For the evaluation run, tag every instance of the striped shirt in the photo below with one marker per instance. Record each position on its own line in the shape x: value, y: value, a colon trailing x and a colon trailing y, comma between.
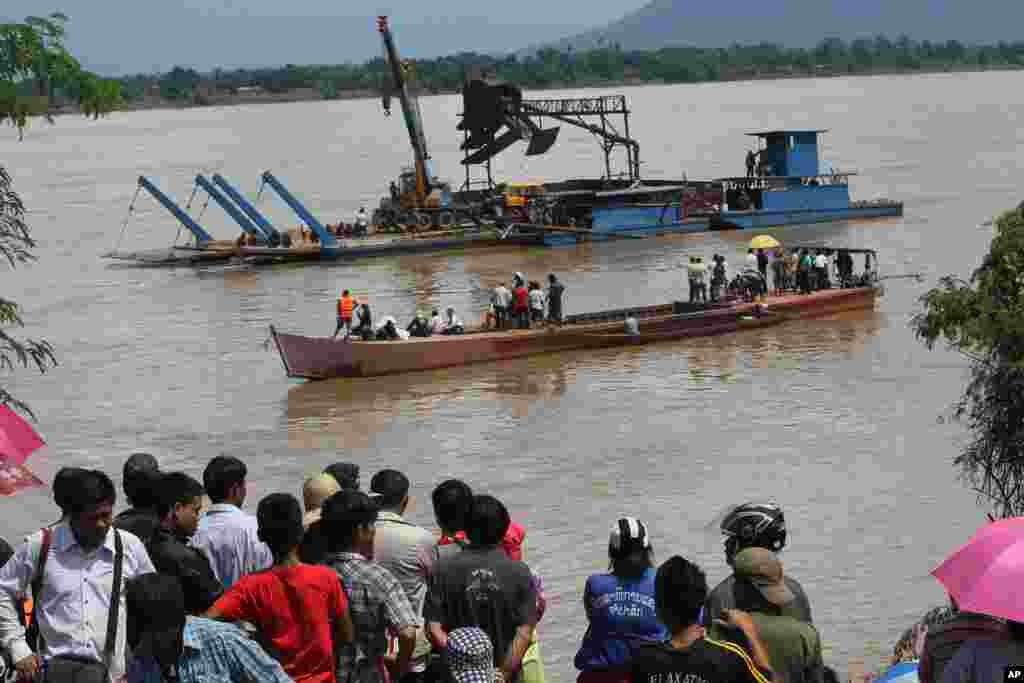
x: 213, y: 653
x: 227, y: 536
x: 377, y: 604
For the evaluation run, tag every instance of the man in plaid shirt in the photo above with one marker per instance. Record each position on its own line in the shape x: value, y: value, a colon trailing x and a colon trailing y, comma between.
x: 376, y: 600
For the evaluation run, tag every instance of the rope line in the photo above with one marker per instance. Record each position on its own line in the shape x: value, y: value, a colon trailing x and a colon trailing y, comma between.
x: 124, y: 225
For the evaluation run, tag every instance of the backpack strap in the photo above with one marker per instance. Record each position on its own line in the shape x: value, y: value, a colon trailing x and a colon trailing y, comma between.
x: 115, y: 601
x: 32, y: 630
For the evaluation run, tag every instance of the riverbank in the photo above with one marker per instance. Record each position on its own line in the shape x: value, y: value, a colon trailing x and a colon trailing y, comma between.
x: 210, y: 96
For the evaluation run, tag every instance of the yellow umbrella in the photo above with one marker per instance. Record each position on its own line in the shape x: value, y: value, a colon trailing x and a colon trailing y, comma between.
x: 764, y: 242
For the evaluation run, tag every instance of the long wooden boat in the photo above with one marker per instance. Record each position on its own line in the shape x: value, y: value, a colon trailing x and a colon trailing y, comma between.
x: 324, y: 357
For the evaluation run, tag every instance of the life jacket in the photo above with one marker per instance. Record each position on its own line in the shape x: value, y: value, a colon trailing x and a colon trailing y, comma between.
x: 345, y: 304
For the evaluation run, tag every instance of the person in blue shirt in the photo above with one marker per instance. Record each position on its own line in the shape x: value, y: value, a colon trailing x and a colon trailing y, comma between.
x: 620, y: 607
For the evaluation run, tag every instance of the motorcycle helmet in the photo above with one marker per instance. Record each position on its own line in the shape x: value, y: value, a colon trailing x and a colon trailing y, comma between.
x: 760, y: 525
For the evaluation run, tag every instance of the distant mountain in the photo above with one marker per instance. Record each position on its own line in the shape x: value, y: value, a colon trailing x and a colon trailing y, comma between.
x: 804, y: 23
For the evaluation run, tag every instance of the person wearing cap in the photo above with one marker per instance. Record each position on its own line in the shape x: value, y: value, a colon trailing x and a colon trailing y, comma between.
x: 404, y: 549
x: 138, y: 481
x: 680, y: 590
x: 470, y: 656
x: 377, y: 601
x: 315, y: 491
x: 619, y: 606
x: 481, y: 586
x: 794, y: 646
x: 755, y: 525
x: 300, y: 609
x: 167, y: 645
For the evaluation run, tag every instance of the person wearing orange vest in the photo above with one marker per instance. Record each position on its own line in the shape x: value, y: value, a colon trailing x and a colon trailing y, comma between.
x: 345, y: 305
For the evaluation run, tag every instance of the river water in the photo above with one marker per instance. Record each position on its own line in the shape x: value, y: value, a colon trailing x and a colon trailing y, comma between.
x: 837, y: 420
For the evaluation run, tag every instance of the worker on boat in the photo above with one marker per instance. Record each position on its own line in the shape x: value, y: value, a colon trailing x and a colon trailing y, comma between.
x: 393, y: 189
x: 521, y: 303
x: 719, y: 277
x: 452, y: 324
x: 388, y: 330
x: 420, y: 326
x: 501, y: 298
x: 537, y: 302
x: 362, y: 222
x: 436, y: 322
x: 697, y: 274
x: 364, y: 328
x: 751, y: 162
x: 555, y: 292
x: 345, y: 305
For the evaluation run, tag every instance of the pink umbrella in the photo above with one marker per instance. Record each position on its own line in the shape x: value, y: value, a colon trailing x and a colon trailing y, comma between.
x: 17, y: 438
x: 986, y: 574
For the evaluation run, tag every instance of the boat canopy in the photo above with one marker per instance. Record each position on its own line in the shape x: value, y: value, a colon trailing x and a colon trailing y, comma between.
x: 769, y: 133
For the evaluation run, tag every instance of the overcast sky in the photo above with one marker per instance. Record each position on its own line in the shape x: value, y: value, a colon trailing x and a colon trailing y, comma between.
x: 115, y: 37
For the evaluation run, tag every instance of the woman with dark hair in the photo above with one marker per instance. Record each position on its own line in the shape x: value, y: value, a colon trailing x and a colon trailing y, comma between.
x: 620, y: 606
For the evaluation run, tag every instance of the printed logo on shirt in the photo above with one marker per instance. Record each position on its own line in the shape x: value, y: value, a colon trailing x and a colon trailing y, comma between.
x: 675, y: 677
x: 482, y: 585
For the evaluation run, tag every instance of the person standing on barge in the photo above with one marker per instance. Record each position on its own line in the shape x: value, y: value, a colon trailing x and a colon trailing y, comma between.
x: 555, y: 292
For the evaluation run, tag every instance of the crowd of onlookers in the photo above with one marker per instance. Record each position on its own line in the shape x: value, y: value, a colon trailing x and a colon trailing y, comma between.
x: 343, y: 587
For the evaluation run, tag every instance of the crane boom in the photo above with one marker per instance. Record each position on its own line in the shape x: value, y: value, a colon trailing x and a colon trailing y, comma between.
x: 410, y: 109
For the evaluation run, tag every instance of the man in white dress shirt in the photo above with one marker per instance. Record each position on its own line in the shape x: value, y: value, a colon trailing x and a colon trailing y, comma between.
x: 73, y: 604
x: 226, y: 535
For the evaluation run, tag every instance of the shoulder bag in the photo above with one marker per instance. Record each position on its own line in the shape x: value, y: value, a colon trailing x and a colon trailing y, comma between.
x: 74, y: 669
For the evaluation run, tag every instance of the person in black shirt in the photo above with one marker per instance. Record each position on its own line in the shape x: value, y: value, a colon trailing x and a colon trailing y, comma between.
x: 480, y: 586
x: 179, y: 506
x: 140, y: 474
x: 679, y: 593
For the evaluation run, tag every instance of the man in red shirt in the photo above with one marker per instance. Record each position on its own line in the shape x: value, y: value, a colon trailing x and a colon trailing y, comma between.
x: 300, y: 609
x: 521, y: 304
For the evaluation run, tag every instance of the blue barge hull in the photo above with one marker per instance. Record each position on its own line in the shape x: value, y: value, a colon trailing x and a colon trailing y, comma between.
x: 743, y: 220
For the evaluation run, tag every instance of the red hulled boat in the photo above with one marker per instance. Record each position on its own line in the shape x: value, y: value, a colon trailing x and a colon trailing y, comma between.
x: 324, y: 357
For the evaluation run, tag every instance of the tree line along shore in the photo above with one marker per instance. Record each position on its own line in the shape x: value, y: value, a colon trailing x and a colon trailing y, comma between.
x: 550, y: 68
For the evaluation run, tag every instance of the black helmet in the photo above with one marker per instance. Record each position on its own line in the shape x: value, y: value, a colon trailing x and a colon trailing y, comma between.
x: 760, y: 525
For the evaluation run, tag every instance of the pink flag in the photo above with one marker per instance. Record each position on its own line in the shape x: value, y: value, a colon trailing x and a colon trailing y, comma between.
x: 17, y: 438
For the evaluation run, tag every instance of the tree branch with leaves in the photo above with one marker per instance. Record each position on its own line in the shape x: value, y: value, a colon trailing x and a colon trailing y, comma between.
x: 16, y: 244
x: 983, y: 319
x: 35, y: 65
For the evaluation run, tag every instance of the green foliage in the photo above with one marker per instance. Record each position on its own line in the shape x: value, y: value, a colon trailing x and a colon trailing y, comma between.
x: 609, y: 62
x: 16, y: 244
x: 35, y: 68
x: 984, y: 319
